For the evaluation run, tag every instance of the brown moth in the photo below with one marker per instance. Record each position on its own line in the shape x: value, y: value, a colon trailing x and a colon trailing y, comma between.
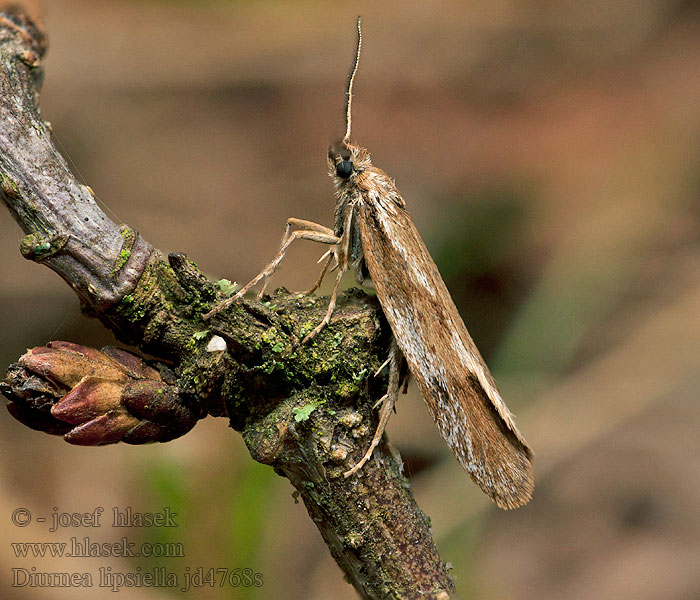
x: 375, y: 235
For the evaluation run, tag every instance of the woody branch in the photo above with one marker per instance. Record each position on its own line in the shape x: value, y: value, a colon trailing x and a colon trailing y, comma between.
x: 304, y: 410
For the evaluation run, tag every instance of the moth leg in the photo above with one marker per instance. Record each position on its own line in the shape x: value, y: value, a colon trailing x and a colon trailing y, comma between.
x: 328, y: 258
x: 285, y: 237
x: 301, y: 224
x: 405, y: 384
x: 384, y: 364
x: 387, y: 404
x: 303, y: 234
x: 318, y: 234
x: 331, y: 303
x: 342, y: 261
x: 307, y: 225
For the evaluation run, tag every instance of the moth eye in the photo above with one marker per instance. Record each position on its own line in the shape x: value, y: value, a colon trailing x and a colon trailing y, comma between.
x: 344, y: 169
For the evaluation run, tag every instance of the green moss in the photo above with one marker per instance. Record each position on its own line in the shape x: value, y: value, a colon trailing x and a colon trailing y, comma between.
x: 128, y: 235
x: 131, y: 309
x: 156, y: 288
x: 359, y: 376
x: 273, y: 365
x: 123, y: 257
x: 227, y: 287
x: 37, y: 247
x: 9, y: 187
x: 354, y: 540
x: 302, y: 413
x: 347, y: 390
x: 270, y: 335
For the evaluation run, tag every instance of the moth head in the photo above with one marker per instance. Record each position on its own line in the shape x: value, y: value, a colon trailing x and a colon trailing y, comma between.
x: 345, y: 161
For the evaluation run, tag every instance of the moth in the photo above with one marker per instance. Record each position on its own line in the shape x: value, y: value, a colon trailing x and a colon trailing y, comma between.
x: 374, y: 234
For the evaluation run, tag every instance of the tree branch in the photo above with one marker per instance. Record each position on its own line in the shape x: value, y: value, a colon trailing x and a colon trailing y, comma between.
x: 305, y: 410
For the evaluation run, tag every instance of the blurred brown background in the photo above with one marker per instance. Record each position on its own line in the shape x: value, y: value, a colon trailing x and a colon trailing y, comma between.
x: 549, y: 154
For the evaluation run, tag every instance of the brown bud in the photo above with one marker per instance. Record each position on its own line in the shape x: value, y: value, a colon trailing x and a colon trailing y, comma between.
x: 92, y: 397
x: 96, y: 397
x: 66, y: 364
x: 135, y: 365
x: 105, y: 429
x: 31, y: 399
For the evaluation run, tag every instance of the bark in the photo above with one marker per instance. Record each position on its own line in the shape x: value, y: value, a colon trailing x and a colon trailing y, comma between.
x: 305, y: 410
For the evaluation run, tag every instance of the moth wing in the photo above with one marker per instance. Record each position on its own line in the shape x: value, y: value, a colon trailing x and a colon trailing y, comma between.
x: 452, y: 377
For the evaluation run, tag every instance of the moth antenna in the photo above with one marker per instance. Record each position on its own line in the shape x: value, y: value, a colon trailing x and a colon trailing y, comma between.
x: 351, y: 79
